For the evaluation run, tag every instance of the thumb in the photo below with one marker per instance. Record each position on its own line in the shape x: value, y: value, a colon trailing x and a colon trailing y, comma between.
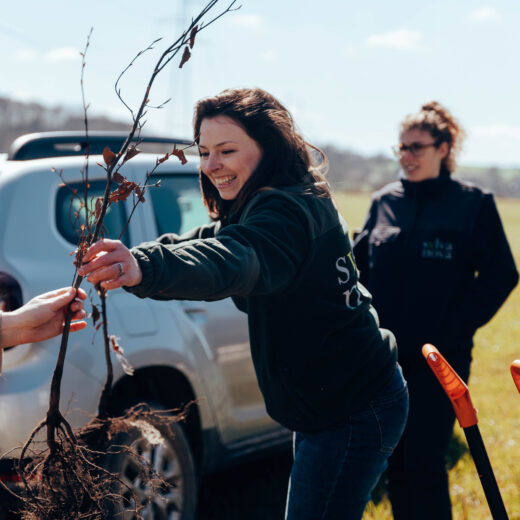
x: 60, y: 300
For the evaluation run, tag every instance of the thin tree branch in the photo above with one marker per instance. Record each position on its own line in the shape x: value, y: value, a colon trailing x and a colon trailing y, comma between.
x: 54, y: 418
x: 85, y: 122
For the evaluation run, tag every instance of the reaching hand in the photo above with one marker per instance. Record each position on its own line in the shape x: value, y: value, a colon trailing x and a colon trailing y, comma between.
x: 43, y: 317
x: 111, y: 264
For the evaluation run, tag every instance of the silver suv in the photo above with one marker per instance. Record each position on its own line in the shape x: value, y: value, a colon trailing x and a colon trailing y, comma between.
x: 180, y: 351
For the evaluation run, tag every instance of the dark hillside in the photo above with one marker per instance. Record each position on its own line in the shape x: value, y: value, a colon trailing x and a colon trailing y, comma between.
x: 351, y: 171
x: 348, y: 170
x: 17, y: 118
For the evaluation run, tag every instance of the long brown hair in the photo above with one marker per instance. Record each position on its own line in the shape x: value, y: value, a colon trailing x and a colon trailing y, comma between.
x: 286, y: 160
x: 442, y: 126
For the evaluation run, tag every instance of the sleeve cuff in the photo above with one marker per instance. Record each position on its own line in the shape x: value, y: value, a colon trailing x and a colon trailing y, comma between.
x: 142, y: 290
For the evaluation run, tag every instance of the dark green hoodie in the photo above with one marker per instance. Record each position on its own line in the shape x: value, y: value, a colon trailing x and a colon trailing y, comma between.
x: 287, y: 262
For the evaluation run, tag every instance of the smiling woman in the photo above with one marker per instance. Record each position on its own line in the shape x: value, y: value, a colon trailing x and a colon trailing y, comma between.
x: 279, y: 248
x: 228, y: 155
x: 430, y: 141
x: 419, y: 157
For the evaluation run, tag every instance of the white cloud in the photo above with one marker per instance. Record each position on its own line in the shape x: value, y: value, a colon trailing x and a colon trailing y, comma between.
x: 402, y: 39
x: 247, y: 21
x: 62, y: 54
x: 26, y: 54
x: 484, y: 14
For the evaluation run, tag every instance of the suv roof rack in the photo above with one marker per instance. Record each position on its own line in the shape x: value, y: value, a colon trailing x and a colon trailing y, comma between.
x: 70, y: 143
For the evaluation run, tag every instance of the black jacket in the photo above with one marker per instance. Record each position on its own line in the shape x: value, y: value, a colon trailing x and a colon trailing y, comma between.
x: 436, y: 260
x: 286, y: 260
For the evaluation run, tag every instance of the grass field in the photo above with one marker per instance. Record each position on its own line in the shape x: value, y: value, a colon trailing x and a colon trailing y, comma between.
x: 492, y: 390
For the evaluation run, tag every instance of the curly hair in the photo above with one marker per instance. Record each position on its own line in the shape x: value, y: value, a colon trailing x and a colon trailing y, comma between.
x: 287, y: 159
x: 442, y: 126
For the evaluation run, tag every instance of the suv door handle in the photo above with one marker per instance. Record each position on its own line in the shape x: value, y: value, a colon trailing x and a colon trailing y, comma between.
x: 191, y: 311
x: 194, y: 309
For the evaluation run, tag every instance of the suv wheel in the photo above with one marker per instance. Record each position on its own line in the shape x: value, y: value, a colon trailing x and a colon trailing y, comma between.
x: 171, y: 459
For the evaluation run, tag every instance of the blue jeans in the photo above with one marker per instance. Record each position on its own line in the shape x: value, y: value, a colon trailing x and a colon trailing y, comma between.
x: 336, y: 469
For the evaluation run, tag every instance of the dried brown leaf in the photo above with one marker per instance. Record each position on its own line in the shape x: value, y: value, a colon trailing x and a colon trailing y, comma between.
x: 192, y: 36
x: 108, y: 156
x: 99, y: 206
x: 163, y: 158
x: 180, y: 155
x: 95, y: 313
x: 123, y: 192
x: 118, y: 178
x: 125, y: 365
x: 185, y: 56
x: 131, y: 152
x: 140, y: 194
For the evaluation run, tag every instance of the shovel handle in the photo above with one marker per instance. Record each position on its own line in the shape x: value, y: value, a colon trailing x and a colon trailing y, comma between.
x: 453, y: 385
x: 515, y: 372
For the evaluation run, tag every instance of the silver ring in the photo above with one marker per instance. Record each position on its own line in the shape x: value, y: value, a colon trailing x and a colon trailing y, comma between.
x: 120, y: 267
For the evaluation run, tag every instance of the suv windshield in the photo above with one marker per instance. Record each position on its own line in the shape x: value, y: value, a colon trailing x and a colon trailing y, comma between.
x: 178, y: 205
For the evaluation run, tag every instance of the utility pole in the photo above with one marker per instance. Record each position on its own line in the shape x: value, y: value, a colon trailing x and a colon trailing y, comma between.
x: 178, y: 112
x: 179, y: 109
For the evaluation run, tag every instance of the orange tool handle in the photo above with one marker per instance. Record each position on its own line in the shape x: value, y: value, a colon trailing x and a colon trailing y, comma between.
x: 515, y: 372
x: 453, y: 385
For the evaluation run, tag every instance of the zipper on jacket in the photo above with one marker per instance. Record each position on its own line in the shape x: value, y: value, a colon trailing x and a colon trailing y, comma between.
x: 409, y: 256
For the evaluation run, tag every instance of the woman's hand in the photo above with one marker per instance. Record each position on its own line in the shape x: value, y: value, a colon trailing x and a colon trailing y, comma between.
x: 111, y: 264
x: 43, y: 317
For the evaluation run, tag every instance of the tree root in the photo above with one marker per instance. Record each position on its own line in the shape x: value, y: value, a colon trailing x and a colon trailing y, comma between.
x: 69, y: 480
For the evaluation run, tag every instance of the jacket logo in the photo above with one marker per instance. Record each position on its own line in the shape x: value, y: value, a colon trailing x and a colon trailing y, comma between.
x: 347, y: 269
x: 437, y: 249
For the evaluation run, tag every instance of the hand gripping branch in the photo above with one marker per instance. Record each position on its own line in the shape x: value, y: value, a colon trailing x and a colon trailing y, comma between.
x: 515, y: 372
x: 458, y: 394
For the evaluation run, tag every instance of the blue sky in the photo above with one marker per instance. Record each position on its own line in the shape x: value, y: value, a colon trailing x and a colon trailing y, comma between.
x: 349, y: 71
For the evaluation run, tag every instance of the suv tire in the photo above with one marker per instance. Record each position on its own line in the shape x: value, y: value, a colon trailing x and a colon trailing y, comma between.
x: 172, y: 460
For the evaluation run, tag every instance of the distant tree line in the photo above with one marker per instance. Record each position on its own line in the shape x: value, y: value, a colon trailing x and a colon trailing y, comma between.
x: 18, y: 118
x: 347, y: 171
x: 354, y: 172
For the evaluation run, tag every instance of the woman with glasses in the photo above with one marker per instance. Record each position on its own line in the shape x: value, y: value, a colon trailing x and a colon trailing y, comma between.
x: 434, y: 255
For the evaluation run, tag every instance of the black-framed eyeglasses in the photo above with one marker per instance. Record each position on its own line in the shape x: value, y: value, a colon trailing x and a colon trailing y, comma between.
x: 416, y: 149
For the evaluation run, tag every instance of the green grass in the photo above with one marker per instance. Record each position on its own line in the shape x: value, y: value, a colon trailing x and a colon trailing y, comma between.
x: 492, y: 390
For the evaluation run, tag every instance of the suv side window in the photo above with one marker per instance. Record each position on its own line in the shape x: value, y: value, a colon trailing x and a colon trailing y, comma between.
x: 177, y: 204
x: 70, y: 216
